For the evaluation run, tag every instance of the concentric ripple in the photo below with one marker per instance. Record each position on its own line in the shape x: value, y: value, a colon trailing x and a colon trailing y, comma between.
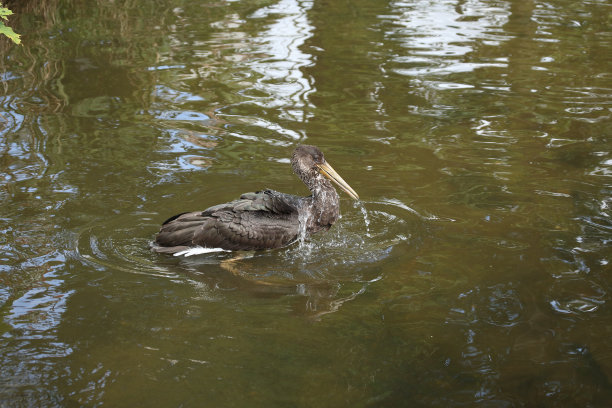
x: 324, y: 270
x: 365, y: 235
x: 121, y: 244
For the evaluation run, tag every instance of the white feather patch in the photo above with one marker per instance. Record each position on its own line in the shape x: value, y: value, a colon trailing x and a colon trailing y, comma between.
x: 198, y: 251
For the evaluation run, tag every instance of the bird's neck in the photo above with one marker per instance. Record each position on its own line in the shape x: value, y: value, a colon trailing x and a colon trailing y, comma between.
x: 322, y: 208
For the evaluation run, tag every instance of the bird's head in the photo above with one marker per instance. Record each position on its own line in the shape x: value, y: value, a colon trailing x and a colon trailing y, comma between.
x: 308, y: 163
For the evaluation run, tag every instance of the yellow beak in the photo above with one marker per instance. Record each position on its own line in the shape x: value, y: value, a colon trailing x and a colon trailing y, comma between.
x: 331, y: 174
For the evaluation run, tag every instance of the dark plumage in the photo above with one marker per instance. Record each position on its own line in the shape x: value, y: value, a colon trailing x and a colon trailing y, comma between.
x: 264, y: 219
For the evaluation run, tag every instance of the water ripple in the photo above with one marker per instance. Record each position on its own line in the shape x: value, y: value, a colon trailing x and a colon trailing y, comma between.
x: 120, y: 245
x: 437, y: 35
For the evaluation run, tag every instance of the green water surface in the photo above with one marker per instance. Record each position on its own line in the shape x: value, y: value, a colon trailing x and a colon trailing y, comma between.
x: 474, y: 272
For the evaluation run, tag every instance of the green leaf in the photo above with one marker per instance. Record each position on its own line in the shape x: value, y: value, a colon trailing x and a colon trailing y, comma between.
x: 5, y: 12
x: 8, y: 31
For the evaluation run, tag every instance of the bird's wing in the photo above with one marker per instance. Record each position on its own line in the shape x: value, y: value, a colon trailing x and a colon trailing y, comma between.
x: 260, y: 220
x: 247, y: 230
x: 178, y: 231
x: 267, y: 200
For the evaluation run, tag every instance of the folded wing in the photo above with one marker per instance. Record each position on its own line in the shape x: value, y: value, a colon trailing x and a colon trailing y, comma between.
x: 261, y: 220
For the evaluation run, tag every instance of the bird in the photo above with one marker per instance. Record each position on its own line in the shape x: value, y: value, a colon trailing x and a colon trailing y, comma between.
x: 261, y: 220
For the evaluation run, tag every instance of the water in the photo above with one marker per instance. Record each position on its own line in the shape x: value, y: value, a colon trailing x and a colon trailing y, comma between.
x: 366, y: 219
x: 474, y: 272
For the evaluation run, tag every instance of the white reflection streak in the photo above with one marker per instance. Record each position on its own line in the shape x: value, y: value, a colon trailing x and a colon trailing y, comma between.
x: 439, y: 33
x: 31, y: 343
x: 281, y: 74
x: 38, y: 312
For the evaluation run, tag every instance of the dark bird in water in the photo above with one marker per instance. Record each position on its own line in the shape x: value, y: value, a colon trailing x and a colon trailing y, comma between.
x: 261, y: 220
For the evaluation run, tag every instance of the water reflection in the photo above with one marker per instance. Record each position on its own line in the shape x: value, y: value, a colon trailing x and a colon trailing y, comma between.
x: 438, y: 38
x: 265, y: 72
x: 320, y: 274
x: 30, y: 321
x: 280, y: 72
x: 476, y: 271
x: 302, y: 294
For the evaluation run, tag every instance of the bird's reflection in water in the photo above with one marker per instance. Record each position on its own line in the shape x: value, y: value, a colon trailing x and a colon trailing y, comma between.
x: 309, y: 297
